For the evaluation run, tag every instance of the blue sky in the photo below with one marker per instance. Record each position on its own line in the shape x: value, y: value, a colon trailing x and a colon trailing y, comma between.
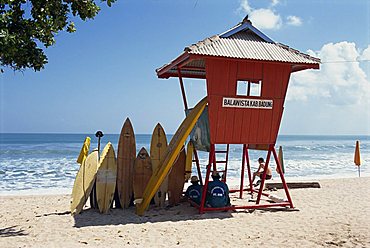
x: 105, y: 71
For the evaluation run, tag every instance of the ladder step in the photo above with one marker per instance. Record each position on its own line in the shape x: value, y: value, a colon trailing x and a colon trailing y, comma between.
x: 221, y: 162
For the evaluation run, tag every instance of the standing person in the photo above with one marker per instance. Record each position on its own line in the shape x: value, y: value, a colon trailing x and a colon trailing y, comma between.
x: 260, y: 170
x: 194, y: 191
x: 217, y: 192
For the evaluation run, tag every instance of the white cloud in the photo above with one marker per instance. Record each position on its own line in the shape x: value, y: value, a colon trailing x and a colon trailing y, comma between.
x: 334, y: 99
x: 274, y: 2
x: 365, y: 54
x: 338, y: 82
x: 264, y: 18
x: 244, y: 5
x: 294, y: 20
x: 267, y: 18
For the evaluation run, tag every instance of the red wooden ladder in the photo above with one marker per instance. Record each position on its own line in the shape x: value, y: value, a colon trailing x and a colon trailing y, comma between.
x: 224, y: 162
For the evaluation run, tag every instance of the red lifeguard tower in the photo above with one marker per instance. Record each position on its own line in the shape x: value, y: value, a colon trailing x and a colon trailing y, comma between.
x: 247, y: 76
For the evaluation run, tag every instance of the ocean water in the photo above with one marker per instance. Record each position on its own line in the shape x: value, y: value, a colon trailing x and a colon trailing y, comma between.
x: 46, y: 163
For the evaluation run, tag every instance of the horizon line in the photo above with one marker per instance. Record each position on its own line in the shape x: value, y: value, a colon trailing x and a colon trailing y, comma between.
x: 61, y: 133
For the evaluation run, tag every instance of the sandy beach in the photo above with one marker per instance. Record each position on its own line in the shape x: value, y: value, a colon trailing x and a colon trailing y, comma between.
x: 336, y: 215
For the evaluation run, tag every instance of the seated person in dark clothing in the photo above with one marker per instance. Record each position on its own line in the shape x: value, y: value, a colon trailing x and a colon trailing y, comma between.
x: 260, y: 170
x: 217, y: 192
x: 194, y: 191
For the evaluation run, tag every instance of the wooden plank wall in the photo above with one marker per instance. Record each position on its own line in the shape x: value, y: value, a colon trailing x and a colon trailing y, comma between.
x: 245, y: 126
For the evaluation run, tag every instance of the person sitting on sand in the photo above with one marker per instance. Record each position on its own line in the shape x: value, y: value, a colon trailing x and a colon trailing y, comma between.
x: 194, y: 191
x: 217, y: 192
x: 260, y: 170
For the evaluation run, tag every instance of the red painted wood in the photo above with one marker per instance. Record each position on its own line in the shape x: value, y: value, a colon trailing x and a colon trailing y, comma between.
x: 241, y: 125
x: 285, y: 79
x: 231, y: 77
x: 238, y: 126
x: 229, y: 115
x: 276, y: 118
x: 213, y: 117
x: 249, y: 70
x: 246, y: 126
x: 285, y: 186
x: 269, y: 87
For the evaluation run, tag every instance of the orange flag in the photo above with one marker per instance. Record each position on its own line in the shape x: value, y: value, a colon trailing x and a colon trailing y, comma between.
x: 357, y: 159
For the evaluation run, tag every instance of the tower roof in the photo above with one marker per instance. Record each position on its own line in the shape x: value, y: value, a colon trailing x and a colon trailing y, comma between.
x: 242, y: 42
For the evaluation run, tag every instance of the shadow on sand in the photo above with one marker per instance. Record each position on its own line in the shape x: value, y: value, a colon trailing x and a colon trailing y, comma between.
x: 11, y: 232
x: 182, y: 212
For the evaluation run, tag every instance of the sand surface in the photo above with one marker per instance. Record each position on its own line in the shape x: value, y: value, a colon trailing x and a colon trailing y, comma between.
x: 336, y: 215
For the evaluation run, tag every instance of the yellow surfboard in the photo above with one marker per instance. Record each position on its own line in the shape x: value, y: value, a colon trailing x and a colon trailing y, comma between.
x: 171, y: 154
x: 106, y: 178
x: 84, y: 182
x: 158, y: 146
x: 84, y: 151
x: 189, y: 160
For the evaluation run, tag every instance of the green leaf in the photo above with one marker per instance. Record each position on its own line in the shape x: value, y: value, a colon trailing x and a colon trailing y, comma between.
x: 71, y: 27
x: 26, y: 27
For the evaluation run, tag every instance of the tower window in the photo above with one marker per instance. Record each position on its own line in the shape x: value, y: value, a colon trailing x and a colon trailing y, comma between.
x: 249, y: 88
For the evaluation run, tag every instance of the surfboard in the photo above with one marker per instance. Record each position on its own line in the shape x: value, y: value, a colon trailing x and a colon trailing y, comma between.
x: 125, y: 163
x: 158, y: 146
x: 189, y: 160
x: 176, y: 179
x: 106, y: 178
x: 142, y: 172
x: 84, y: 182
x: 281, y: 160
x: 171, y: 153
x: 84, y: 150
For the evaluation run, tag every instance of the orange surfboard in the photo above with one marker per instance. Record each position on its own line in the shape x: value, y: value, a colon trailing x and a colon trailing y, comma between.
x: 142, y: 172
x: 176, y: 179
x: 125, y: 163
